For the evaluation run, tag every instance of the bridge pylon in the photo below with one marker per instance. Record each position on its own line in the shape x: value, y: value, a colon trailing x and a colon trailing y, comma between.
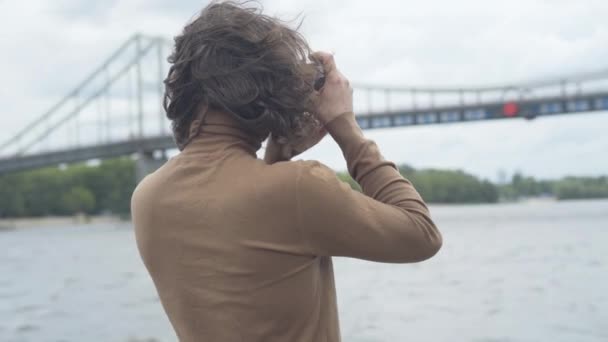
x: 147, y: 162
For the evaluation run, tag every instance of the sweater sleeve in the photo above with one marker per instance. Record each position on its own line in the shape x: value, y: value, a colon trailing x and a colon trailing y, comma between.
x: 388, y: 222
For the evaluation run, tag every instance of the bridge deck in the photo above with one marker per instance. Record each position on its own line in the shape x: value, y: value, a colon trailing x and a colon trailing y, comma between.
x: 448, y: 114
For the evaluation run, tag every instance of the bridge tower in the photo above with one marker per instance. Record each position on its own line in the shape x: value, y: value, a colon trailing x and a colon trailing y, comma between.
x: 147, y: 162
x: 115, y: 111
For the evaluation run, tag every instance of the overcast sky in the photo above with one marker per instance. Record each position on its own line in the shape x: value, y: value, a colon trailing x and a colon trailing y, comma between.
x: 50, y: 46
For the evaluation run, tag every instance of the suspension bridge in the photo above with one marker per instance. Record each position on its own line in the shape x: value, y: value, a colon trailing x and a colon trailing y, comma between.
x: 117, y: 111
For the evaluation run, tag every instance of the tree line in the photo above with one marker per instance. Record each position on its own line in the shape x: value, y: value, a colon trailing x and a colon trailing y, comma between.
x: 107, y: 188
x: 456, y: 186
x: 444, y: 186
x: 562, y: 189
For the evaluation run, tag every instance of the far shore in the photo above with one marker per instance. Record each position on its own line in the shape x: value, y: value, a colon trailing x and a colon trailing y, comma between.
x: 56, y: 221
x: 63, y: 221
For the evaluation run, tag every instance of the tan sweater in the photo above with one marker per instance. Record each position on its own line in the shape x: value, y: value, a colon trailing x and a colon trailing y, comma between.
x: 240, y: 250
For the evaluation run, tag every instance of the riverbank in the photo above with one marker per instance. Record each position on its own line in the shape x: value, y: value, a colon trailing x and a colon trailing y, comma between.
x: 62, y: 221
x: 56, y: 221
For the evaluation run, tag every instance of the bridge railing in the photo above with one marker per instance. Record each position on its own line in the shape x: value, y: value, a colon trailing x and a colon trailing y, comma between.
x: 112, y: 103
x: 378, y: 99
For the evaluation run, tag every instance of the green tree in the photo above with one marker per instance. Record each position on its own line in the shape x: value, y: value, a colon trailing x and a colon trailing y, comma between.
x: 582, y: 187
x: 345, y: 177
x: 119, y: 176
x: 12, y: 202
x: 444, y: 186
x: 65, y: 191
x: 78, y: 200
x: 450, y: 186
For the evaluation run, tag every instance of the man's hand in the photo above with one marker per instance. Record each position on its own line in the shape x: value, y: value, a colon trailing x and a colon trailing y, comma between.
x: 336, y: 95
x: 285, y: 148
x: 332, y: 100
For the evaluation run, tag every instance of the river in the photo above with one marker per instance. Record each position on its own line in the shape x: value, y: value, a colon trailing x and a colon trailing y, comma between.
x: 534, y: 271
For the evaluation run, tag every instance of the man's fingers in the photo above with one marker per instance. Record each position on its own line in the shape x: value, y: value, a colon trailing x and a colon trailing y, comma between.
x: 326, y: 59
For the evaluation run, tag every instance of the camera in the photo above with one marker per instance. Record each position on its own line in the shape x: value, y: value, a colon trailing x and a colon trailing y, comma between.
x: 319, y: 81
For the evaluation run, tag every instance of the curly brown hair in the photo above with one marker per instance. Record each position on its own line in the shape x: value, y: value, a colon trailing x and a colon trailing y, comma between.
x: 235, y: 59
